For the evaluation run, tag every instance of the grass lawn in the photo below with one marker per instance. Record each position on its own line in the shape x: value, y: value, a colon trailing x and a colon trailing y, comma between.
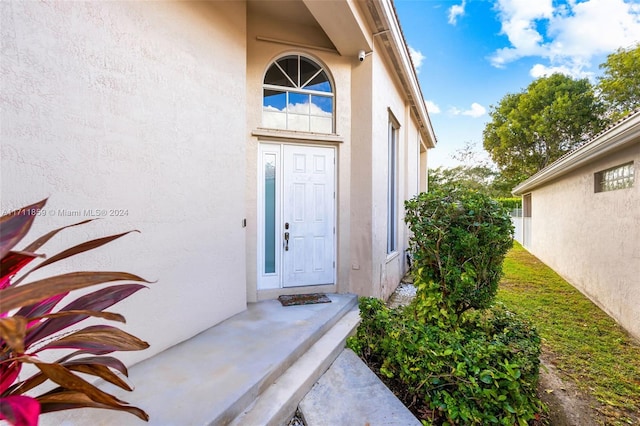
x: 586, y: 345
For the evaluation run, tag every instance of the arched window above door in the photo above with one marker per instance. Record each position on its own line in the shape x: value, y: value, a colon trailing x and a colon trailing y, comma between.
x: 298, y: 95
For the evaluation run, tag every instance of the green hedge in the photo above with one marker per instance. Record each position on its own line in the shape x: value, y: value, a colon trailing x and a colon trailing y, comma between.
x: 484, y: 372
x: 510, y: 203
x: 459, y: 240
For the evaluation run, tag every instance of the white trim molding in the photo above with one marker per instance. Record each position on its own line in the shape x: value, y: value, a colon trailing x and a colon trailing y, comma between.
x: 264, y: 134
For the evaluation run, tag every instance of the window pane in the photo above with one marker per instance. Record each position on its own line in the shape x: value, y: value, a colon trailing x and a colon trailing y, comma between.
x: 289, y: 65
x: 274, y: 99
x: 392, y: 192
x: 321, y: 124
x: 269, y: 213
x: 275, y: 77
x: 298, y: 122
x: 298, y: 103
x: 298, y: 112
x: 322, y: 106
x: 273, y: 109
x: 319, y: 83
x: 616, y: 178
x: 307, y: 70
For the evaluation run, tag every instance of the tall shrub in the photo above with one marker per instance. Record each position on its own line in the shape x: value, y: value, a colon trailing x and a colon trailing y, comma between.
x: 452, y: 369
x: 460, y: 238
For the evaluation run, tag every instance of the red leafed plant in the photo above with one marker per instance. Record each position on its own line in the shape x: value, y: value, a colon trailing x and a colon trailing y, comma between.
x: 30, y: 323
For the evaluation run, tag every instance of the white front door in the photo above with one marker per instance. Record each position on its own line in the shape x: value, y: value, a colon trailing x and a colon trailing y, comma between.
x: 297, y: 204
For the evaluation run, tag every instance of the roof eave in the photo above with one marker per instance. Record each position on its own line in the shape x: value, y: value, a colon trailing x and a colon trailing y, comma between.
x: 624, y: 132
x: 389, y: 30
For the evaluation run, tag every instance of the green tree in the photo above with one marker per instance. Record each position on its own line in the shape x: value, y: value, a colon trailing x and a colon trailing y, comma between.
x: 531, y: 129
x: 619, y: 86
x: 476, y: 177
x: 474, y: 172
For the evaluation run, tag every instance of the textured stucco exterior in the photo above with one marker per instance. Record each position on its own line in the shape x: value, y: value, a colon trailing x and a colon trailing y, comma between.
x: 125, y: 105
x: 155, y: 109
x: 592, y: 239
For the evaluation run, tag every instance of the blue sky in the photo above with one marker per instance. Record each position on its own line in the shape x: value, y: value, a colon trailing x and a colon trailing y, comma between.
x: 470, y: 53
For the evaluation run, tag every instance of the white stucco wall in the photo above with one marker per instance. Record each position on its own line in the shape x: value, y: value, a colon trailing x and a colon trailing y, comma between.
x: 138, y: 106
x: 361, y: 275
x: 386, y: 97
x: 593, y: 239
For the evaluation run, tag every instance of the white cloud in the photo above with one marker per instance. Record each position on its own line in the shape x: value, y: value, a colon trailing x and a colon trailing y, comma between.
x: 567, y: 35
x: 432, y: 107
x: 417, y: 57
x: 455, y: 11
x: 475, y: 111
x: 540, y: 70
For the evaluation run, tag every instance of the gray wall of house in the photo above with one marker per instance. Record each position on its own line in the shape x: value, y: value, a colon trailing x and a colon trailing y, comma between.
x: 593, y: 239
x: 136, y: 106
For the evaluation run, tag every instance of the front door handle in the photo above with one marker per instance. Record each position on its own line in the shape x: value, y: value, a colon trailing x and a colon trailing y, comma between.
x: 286, y: 241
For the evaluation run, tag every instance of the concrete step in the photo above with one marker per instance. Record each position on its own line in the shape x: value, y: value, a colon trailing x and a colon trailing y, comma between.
x: 349, y: 393
x: 211, y: 378
x: 278, y: 403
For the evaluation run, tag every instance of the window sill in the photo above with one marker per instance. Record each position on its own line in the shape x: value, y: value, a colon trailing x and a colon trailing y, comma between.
x: 275, y: 134
x: 392, y: 256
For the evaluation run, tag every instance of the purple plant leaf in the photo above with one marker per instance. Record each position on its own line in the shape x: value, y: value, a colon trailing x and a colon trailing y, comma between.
x: 108, y: 361
x: 41, y: 308
x: 12, y: 263
x: 9, y: 372
x: 20, y: 410
x: 95, y: 301
x: 80, y: 248
x: 60, y: 399
x: 34, y: 292
x: 96, y: 365
x: 15, y: 225
x: 98, y: 338
x: 46, y: 237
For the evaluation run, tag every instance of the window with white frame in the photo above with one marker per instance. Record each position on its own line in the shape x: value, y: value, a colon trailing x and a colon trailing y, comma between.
x: 618, y: 177
x: 298, y: 95
x: 392, y: 188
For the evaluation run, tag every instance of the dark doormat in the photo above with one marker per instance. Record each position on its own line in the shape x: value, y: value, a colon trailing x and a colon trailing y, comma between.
x: 303, y: 299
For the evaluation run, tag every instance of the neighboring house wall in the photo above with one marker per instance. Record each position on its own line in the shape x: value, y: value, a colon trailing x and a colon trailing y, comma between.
x: 137, y: 106
x: 593, y: 239
x: 588, y: 228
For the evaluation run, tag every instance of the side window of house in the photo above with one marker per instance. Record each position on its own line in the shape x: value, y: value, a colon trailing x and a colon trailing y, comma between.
x: 298, y: 95
x: 526, y: 205
x: 618, y: 177
x: 392, y: 188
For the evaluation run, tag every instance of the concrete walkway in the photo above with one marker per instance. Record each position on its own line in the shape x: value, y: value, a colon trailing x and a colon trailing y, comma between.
x: 213, y: 377
x: 349, y: 393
